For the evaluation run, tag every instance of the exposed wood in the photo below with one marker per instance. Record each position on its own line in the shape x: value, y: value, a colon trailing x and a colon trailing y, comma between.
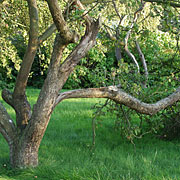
x: 49, y: 31
x: 24, y: 136
x: 86, y: 43
x: 121, y: 97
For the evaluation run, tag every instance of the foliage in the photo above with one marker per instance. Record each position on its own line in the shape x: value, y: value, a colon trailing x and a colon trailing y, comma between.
x: 163, y: 79
x: 92, y: 71
x: 13, y: 42
x: 97, y: 67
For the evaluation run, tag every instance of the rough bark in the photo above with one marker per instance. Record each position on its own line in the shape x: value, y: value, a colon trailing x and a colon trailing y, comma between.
x: 24, y: 150
x: 28, y: 59
x: 67, y: 35
x: 121, y: 97
x: 22, y: 154
x: 57, y: 76
x: 24, y: 138
x: 19, y: 100
x: 7, y: 126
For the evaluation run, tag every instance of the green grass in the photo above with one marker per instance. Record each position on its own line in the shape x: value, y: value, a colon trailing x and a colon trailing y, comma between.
x: 66, y: 153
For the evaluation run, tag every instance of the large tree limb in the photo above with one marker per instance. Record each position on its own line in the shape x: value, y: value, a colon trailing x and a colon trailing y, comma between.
x: 7, y: 126
x: 67, y: 35
x: 121, y: 97
x: 28, y: 59
x: 20, y: 103
x: 7, y: 97
x: 53, y: 28
x: 86, y: 43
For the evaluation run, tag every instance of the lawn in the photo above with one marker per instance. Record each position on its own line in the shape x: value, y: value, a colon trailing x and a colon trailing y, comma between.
x: 66, y: 151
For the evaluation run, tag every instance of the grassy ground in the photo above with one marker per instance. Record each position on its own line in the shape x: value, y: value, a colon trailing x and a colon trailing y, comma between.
x: 66, y: 154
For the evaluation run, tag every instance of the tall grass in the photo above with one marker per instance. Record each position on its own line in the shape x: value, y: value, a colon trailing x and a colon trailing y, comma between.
x: 66, y: 152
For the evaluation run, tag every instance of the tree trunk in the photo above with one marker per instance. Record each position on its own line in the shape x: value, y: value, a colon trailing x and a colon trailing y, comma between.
x: 25, y: 155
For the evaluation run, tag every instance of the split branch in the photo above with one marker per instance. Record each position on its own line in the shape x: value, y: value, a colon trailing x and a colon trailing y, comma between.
x: 121, y: 97
x: 57, y: 75
x: 53, y: 28
x: 86, y: 43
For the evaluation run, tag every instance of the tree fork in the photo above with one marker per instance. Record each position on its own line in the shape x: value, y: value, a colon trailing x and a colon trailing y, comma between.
x: 57, y: 76
x: 20, y: 105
